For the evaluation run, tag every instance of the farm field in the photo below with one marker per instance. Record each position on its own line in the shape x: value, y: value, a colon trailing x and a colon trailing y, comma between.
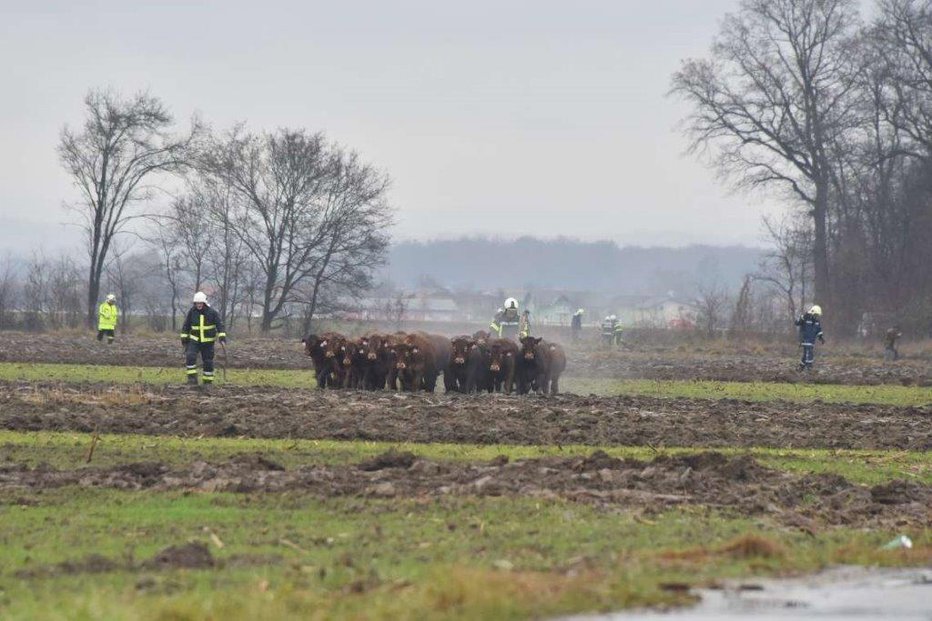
x: 126, y: 495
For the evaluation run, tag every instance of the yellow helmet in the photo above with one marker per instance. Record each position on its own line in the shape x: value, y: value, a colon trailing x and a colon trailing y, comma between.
x: 816, y: 310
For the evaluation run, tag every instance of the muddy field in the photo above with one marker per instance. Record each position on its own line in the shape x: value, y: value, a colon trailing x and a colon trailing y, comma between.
x: 264, y: 412
x: 711, y: 479
x: 742, y: 366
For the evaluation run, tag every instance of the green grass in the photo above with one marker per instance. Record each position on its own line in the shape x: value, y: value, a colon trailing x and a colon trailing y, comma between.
x: 68, y: 450
x: 295, y: 556
x: 700, y: 389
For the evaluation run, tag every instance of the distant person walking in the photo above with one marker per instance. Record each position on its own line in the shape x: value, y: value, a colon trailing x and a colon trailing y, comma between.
x: 810, y: 329
x: 576, y: 324
x: 890, y: 352
x: 202, y: 326
x: 107, y: 319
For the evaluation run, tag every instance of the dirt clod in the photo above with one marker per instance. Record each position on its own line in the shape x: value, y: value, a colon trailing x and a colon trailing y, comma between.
x: 389, y: 459
x: 193, y: 555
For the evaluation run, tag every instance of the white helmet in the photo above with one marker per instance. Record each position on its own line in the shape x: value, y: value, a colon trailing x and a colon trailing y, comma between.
x: 200, y: 296
x: 111, y: 297
x: 511, y: 303
x: 816, y: 310
x: 579, y: 311
x: 613, y: 318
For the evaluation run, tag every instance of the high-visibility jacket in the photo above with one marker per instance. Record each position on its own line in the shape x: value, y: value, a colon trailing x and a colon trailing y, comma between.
x: 107, y: 316
x: 202, y: 326
x: 505, y: 323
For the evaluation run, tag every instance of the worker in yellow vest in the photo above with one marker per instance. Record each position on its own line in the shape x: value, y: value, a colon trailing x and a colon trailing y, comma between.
x: 202, y: 326
x: 107, y: 319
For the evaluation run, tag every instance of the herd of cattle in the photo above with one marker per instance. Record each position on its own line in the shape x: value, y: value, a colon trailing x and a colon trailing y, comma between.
x: 413, y: 362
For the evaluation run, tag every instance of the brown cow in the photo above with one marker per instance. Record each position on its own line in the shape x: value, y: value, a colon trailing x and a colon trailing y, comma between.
x: 540, y: 365
x: 319, y: 349
x: 378, y: 359
x: 501, y: 355
x: 441, y: 345
x: 467, y: 369
x: 354, y: 362
x: 416, y: 363
x: 393, y: 377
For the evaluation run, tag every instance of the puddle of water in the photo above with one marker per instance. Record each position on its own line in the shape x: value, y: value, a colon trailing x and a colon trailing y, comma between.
x: 841, y: 593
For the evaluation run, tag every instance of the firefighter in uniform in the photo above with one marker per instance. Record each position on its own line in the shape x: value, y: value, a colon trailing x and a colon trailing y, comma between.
x: 507, y: 321
x: 107, y: 319
x: 810, y: 329
x: 202, y: 326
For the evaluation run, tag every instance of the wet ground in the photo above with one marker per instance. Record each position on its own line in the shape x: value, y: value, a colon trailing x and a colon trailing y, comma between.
x: 736, y: 484
x: 264, y: 412
x: 776, y: 364
x: 861, y: 594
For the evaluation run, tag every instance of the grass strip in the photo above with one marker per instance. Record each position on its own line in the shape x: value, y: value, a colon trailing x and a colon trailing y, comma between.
x: 281, y: 556
x: 884, y: 394
x: 68, y: 450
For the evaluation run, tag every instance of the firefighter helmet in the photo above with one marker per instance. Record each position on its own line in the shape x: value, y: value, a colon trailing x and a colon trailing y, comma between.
x: 111, y: 297
x: 511, y: 303
x: 816, y: 310
x: 200, y: 296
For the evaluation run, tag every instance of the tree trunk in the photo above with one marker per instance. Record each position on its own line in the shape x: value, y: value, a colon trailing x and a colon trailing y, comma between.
x: 821, y: 290
x: 93, y: 291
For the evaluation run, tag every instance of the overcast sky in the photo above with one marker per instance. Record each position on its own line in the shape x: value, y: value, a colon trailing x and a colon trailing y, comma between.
x: 511, y: 117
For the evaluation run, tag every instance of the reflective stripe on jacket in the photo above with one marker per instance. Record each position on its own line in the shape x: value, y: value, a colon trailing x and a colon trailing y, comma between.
x: 202, y: 326
x: 107, y: 316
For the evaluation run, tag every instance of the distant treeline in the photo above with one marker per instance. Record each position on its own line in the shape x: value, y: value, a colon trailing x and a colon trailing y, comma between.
x: 484, y: 263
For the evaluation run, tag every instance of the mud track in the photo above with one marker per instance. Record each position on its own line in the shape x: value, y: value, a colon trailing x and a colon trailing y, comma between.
x: 264, y: 412
x: 710, y: 479
x: 277, y: 353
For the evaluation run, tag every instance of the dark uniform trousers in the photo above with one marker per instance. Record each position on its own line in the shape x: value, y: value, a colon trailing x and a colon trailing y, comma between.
x: 206, y: 350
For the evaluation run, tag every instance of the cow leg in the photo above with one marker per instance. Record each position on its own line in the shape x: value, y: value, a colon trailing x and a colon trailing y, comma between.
x: 555, y: 385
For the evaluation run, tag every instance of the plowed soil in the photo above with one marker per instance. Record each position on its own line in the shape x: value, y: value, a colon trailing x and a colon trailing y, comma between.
x: 277, y: 353
x: 263, y: 412
x: 737, y: 484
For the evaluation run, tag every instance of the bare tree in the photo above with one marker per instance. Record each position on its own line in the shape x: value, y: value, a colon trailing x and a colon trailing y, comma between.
x: 8, y: 286
x: 772, y: 100
x: 305, y: 211
x: 712, y: 301
x: 787, y: 267
x: 35, y: 293
x: 903, y: 35
x: 396, y: 309
x: 124, y: 143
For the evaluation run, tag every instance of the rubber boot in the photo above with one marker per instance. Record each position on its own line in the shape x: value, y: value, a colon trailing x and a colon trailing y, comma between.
x: 192, y: 380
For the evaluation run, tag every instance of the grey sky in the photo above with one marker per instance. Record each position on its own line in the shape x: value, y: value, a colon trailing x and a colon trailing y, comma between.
x: 531, y: 117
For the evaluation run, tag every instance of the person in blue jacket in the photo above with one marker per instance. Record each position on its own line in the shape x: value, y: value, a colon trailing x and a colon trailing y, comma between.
x: 810, y: 329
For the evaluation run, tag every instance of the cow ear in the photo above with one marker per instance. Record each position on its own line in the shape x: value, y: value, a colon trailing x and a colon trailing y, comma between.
x: 538, y: 340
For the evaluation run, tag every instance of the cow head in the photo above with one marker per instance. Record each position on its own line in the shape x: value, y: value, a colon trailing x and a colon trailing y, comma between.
x: 499, y: 355
x: 529, y: 347
x: 332, y: 346
x: 460, y: 348
x: 375, y: 346
x: 481, y: 337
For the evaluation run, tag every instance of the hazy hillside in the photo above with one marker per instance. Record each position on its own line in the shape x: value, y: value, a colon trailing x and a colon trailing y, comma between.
x: 483, y: 263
